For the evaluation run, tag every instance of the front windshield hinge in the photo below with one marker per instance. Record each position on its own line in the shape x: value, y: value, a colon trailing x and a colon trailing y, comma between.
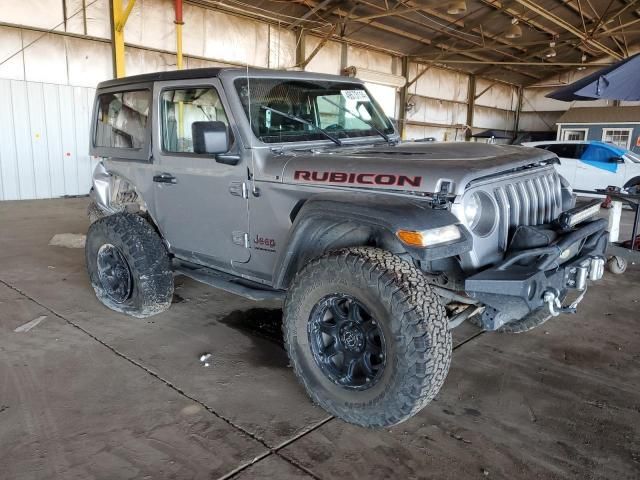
x: 277, y: 150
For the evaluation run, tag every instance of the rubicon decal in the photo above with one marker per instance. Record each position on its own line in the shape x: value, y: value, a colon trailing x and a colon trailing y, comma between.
x: 358, y: 178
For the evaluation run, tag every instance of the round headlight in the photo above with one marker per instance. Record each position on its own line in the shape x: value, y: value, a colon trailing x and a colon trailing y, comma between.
x: 480, y: 213
x: 472, y: 210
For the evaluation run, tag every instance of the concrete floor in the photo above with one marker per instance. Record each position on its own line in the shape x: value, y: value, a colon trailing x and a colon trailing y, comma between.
x: 88, y: 393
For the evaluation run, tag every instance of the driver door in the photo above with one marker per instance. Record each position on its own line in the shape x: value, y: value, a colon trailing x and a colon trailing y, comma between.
x: 200, y: 200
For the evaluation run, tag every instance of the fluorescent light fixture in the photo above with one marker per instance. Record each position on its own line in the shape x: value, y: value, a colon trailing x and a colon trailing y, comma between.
x: 457, y: 7
x: 430, y: 237
x: 372, y: 76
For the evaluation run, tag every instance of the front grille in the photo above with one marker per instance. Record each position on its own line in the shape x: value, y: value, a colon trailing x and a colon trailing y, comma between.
x: 530, y: 201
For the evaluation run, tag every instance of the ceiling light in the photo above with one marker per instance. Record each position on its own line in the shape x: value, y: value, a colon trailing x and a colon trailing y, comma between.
x: 514, y: 30
x: 551, y: 51
x: 583, y: 59
x: 457, y: 7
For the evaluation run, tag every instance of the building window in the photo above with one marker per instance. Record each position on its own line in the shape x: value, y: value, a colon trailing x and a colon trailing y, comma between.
x: 618, y: 136
x: 573, y: 134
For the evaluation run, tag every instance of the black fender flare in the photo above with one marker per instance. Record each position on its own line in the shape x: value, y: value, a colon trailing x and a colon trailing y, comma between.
x: 332, y: 221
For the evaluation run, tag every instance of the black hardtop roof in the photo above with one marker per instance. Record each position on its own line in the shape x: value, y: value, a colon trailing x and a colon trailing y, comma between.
x: 161, y: 76
x: 195, y: 73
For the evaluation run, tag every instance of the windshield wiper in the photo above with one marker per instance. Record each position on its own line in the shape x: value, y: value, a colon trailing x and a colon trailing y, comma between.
x: 304, y: 122
x: 346, y: 110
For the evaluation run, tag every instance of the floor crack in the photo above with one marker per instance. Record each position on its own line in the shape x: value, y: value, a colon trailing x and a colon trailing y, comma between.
x: 240, y: 468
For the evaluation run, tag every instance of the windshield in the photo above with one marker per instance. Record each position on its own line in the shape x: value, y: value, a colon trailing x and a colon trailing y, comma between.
x: 275, y: 107
x: 634, y: 157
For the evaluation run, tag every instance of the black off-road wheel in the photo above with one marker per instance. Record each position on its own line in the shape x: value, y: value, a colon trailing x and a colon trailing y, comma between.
x: 366, y: 336
x: 128, y: 265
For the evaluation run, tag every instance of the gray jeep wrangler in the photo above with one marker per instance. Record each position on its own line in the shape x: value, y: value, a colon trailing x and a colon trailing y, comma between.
x: 294, y: 186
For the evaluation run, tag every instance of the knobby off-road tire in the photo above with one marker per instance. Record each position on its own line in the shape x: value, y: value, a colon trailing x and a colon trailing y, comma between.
x: 128, y: 265
x: 530, y: 322
x: 408, y: 316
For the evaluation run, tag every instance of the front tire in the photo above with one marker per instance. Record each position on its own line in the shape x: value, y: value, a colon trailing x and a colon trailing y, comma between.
x: 366, y: 336
x: 128, y: 265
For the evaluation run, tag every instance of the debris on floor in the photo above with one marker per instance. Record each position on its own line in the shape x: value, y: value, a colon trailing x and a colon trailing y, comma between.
x: 68, y: 240
x: 205, y: 359
x: 29, y: 325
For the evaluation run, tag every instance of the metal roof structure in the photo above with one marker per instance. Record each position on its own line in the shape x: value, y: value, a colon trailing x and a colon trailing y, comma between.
x: 516, y: 41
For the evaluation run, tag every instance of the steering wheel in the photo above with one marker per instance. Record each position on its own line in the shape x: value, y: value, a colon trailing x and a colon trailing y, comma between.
x: 334, y: 126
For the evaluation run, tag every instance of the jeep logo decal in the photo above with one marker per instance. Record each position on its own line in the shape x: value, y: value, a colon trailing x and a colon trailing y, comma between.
x: 358, y: 178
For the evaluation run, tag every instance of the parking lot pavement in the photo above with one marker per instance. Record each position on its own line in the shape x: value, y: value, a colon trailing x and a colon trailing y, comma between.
x: 88, y: 393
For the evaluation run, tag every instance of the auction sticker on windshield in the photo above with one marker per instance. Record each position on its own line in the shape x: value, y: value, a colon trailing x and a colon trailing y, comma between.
x: 357, y: 95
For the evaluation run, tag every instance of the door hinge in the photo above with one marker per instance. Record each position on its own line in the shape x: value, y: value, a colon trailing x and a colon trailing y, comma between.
x: 240, y: 238
x: 239, y: 189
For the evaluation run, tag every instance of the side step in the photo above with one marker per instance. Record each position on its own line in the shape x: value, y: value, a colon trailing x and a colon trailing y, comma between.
x: 226, y: 282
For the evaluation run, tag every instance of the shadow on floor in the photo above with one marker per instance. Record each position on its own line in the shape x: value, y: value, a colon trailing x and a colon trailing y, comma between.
x: 260, y: 322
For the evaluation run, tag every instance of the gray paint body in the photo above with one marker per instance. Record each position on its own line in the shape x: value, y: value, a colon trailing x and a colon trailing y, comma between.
x: 201, y: 216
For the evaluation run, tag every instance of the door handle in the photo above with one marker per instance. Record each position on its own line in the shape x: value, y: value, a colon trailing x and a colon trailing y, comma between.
x: 165, y: 178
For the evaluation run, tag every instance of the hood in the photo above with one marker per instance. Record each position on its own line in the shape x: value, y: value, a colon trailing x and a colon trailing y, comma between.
x: 415, y: 167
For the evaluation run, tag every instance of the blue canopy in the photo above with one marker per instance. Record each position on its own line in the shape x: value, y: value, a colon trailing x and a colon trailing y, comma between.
x: 620, y: 81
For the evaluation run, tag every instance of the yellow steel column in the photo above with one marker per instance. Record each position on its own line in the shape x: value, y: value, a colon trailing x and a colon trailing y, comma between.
x: 179, y: 22
x: 179, y: 45
x: 119, y: 18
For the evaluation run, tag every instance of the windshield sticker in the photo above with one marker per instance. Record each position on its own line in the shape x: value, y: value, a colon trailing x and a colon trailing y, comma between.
x: 357, y: 95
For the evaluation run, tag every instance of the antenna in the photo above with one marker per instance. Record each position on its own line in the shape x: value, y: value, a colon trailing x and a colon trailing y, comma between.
x: 252, y: 173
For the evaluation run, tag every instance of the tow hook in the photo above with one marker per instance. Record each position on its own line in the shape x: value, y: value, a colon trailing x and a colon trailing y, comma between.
x: 551, y: 298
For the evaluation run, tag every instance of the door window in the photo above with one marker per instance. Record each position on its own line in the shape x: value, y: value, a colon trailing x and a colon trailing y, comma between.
x: 180, y: 108
x: 618, y: 136
x: 122, y: 119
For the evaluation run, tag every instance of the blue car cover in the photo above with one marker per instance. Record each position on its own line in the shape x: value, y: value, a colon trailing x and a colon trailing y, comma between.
x: 599, y: 155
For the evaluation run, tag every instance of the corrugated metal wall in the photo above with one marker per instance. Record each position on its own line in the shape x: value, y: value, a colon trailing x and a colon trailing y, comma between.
x: 44, y: 140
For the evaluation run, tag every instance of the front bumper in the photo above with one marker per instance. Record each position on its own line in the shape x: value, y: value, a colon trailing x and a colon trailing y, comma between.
x: 535, y: 278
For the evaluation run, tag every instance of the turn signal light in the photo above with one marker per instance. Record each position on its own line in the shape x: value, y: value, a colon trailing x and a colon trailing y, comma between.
x: 429, y: 238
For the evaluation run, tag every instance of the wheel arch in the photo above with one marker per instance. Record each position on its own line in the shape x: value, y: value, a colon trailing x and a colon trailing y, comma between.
x: 114, y: 192
x: 633, y: 181
x: 331, y: 222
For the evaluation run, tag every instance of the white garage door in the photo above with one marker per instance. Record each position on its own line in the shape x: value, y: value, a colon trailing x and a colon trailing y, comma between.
x: 44, y: 140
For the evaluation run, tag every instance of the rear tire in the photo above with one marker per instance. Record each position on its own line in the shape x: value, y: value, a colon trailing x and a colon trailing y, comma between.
x: 535, y: 319
x: 128, y: 265
x: 399, y: 333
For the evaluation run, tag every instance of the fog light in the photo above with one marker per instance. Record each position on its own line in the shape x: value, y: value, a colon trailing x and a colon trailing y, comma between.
x: 431, y: 237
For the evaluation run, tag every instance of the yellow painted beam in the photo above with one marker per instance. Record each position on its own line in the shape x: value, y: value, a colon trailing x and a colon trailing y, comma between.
x: 119, y: 17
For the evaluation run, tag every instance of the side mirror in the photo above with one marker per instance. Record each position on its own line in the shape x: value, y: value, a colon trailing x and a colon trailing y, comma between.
x: 616, y: 160
x: 210, y: 137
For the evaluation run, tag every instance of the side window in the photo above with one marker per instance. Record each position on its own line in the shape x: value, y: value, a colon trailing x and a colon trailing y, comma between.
x: 567, y: 150
x: 122, y: 119
x: 180, y: 108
